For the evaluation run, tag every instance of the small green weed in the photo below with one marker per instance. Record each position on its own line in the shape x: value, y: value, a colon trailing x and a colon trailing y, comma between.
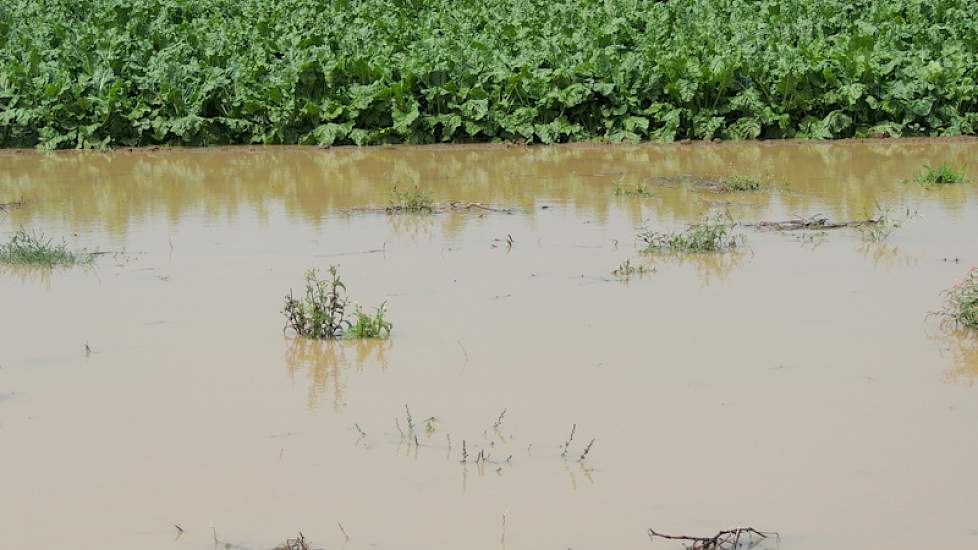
x: 416, y: 201
x: 961, y: 306
x: 715, y: 234
x: 880, y: 227
x: 322, y: 313
x: 36, y: 249
x: 370, y: 326
x: 942, y: 175
x: 640, y: 189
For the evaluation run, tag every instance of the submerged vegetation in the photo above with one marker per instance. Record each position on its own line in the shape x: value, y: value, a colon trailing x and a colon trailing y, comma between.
x: 942, y: 175
x: 416, y: 201
x: 714, y: 234
x: 109, y: 73
x: 36, y: 249
x: 739, y: 184
x: 640, y: 189
x: 323, y: 313
x: 961, y: 306
x: 626, y: 270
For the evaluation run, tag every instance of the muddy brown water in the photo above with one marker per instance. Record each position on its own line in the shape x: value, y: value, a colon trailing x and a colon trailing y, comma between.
x: 797, y: 386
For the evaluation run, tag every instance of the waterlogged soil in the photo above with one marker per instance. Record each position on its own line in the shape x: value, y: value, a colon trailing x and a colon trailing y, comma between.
x: 797, y: 385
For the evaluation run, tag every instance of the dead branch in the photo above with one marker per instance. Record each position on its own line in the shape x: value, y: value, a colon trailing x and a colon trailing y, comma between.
x: 816, y: 222
x: 298, y: 543
x: 437, y: 208
x: 729, y: 539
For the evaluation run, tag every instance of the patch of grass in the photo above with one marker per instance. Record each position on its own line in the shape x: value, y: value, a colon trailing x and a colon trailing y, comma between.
x: 961, y: 306
x: 323, y: 311
x: 416, y: 200
x: 942, y: 175
x: 714, y: 234
x: 640, y: 189
x: 739, y: 184
x: 36, y: 249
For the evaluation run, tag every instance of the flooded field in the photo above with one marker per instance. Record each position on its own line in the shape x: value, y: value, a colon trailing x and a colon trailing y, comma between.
x: 795, y: 384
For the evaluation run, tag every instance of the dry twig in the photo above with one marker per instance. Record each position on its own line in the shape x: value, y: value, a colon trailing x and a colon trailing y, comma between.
x: 729, y: 539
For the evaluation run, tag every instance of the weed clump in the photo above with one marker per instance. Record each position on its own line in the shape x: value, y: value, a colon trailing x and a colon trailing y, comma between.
x: 415, y: 201
x: 714, y: 234
x: 961, y: 306
x: 36, y: 249
x: 323, y: 311
x: 942, y: 175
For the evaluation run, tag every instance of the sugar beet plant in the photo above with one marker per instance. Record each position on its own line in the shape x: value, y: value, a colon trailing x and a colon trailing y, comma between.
x: 324, y: 311
x: 103, y: 73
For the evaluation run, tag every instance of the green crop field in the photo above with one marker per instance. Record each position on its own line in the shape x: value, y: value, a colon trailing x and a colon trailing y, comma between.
x: 110, y: 73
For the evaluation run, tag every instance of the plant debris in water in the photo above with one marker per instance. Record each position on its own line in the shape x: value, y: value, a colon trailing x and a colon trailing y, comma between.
x: 942, y: 175
x: 739, y: 538
x: 714, y: 234
x: 961, y: 305
x: 36, y: 249
x: 323, y: 313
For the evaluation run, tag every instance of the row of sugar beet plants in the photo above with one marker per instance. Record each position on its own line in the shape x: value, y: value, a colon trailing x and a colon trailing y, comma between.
x: 107, y: 73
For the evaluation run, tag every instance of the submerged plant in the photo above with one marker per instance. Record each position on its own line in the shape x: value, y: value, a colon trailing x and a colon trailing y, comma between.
x: 880, y: 227
x: 714, y: 234
x: 640, y: 189
x: 961, y: 305
x: 322, y: 313
x: 416, y: 200
x: 739, y: 184
x: 627, y: 269
x: 942, y: 175
x: 36, y: 249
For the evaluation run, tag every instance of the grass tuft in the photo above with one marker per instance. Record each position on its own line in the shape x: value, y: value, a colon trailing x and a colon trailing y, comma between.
x: 942, y: 175
x: 36, y: 249
x: 961, y: 305
x: 415, y: 201
x: 715, y: 234
x: 322, y: 313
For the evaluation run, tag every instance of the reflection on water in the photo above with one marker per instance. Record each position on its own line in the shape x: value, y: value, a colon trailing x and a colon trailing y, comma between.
x: 114, y: 190
x: 885, y: 254
x: 710, y: 268
x: 962, y: 345
x: 323, y: 363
